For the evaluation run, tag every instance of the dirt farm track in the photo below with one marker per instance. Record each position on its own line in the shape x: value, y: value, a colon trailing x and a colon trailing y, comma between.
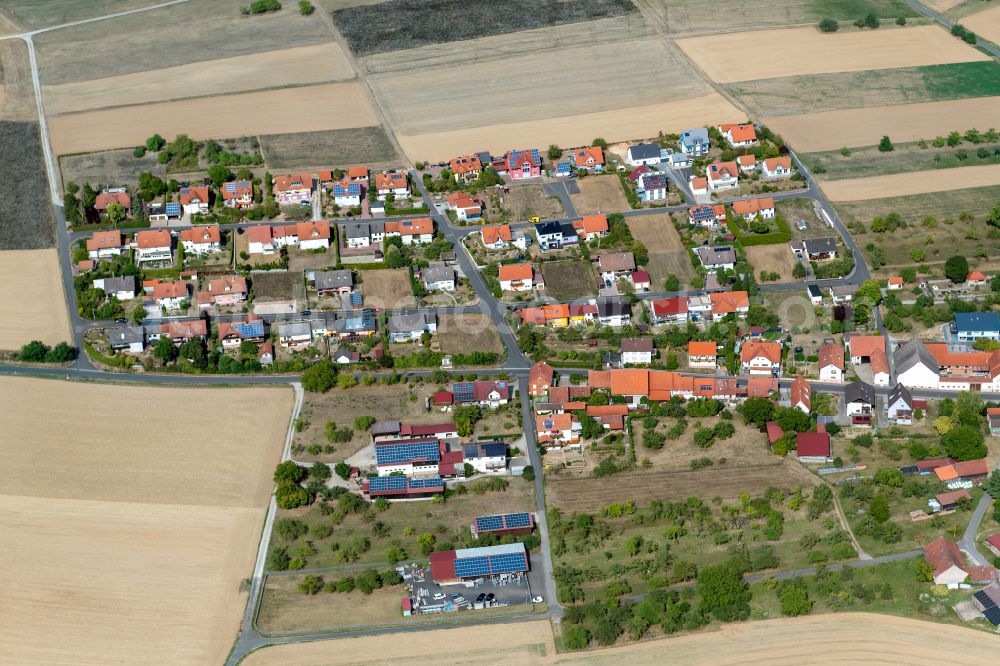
x: 848, y: 638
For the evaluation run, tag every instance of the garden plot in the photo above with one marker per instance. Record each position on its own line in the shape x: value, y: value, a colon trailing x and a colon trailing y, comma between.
x: 817, y: 52
x: 267, y: 112
x: 830, y: 130
x: 569, y: 279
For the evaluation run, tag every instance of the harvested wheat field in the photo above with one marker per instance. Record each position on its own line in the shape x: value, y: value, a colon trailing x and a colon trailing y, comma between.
x: 812, y: 52
x: 830, y: 130
x: 147, y: 518
x: 521, y: 642
x: 915, y: 182
x: 274, y: 69
x: 985, y: 24
x: 269, y: 112
x: 942, y: 5
x: 31, y: 299
x: 574, y: 130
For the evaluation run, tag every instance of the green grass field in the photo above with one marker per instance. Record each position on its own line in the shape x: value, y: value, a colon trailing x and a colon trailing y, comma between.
x: 906, y: 158
x: 847, y: 90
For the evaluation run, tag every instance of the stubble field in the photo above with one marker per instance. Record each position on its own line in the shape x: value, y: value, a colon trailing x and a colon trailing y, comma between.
x: 599, y: 194
x: 815, y: 52
x: 34, y: 14
x: 904, y: 184
x: 985, y: 24
x: 830, y: 130
x: 370, y: 146
x: 31, y: 299
x: 269, y: 112
x: 667, y: 255
x: 147, y: 518
x: 271, y: 69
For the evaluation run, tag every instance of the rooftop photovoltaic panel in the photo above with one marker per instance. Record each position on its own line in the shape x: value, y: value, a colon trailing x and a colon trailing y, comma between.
x: 507, y: 563
x: 489, y: 523
x: 251, y: 329
x: 463, y: 391
x: 514, y: 520
x: 471, y: 566
x: 436, y: 482
x: 984, y: 599
x: 993, y: 615
x: 387, y: 454
x: 173, y: 209
x: 380, y: 483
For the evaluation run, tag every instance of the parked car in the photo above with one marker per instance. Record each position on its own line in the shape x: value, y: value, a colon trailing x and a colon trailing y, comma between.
x: 537, y: 600
x: 490, y: 597
x: 801, y: 225
x: 438, y: 596
x: 481, y: 597
x: 455, y: 595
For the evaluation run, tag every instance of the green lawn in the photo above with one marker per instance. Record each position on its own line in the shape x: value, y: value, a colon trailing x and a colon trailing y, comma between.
x: 847, y: 90
x: 906, y: 158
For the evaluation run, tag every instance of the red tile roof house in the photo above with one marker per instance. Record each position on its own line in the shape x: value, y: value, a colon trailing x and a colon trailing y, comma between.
x: 591, y: 159
x: 831, y: 363
x: 194, y: 199
x: 749, y: 209
x: 640, y: 280
x: 950, y: 567
x: 894, y: 283
x: 993, y: 543
x: 202, y: 240
x: 169, y: 294
x: 702, y: 354
x: 293, y: 188
x: 313, y: 235
x: 558, y: 431
x: 466, y: 206
x: 800, y: 394
x: 747, y: 163
x: 590, y: 227
x: 812, y: 447
x: 774, y: 432
x: 761, y: 358
x: 233, y: 333
x: 776, y: 167
x: 230, y: 290
x: 521, y: 164
x: 540, y: 379
x: 181, y: 331
x: 260, y: 240
x: 739, y: 136
x: 391, y: 182
x: 669, y: 310
x: 237, y: 194
x: 118, y: 196
x: 416, y: 231
x: 153, y: 245
x: 105, y: 244
x: 516, y: 277
x: 466, y: 168
x: 496, y: 236
x: 722, y: 175
x: 975, y: 279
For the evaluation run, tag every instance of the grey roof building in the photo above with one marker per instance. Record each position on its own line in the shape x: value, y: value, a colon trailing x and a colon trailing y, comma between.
x: 816, y: 246
x: 126, y: 336
x: 404, y: 326
x: 114, y: 285
x: 645, y: 151
x: 438, y: 272
x: 295, y: 329
x: 859, y: 392
x: 911, y: 354
x: 334, y: 280
x: 718, y: 255
x: 385, y: 428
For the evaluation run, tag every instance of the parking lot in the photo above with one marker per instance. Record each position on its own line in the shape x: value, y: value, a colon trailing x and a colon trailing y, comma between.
x: 429, y: 597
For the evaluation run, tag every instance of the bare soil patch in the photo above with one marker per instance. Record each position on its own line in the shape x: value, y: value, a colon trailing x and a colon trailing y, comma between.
x: 984, y: 24
x: 569, y: 279
x: 590, y: 494
x: 526, y: 201
x: 190, y: 32
x: 599, y: 194
x: 388, y: 288
x: 468, y: 332
x: 816, y: 52
x: 369, y: 146
x: 667, y: 255
x: 917, y: 182
x: 31, y: 299
x: 278, y: 285
x: 149, y: 534
x: 268, y: 112
x: 620, y: 124
x: 526, y: 642
x: 830, y: 130
x: 319, y: 63
x: 772, y: 258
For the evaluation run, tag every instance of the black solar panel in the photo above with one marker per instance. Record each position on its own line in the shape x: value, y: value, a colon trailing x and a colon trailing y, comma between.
x: 984, y: 599
x: 993, y: 615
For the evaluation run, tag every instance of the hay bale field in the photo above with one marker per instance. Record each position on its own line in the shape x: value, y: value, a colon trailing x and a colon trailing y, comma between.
x: 667, y: 255
x: 148, y: 529
x: 465, y: 332
x: 573, y: 130
x: 772, y: 258
x: 985, y: 24
x: 816, y: 52
x: 244, y: 114
x: 905, y: 184
x: 792, y: 95
x: 370, y: 146
x: 371, y: 29
x: 688, y: 17
x: 193, y: 31
x: 388, y: 288
x: 550, y: 66
x: 319, y: 63
x: 532, y: 642
x: 27, y: 221
x: 32, y: 299
x: 599, y: 194
x: 569, y: 279
x: 830, y: 130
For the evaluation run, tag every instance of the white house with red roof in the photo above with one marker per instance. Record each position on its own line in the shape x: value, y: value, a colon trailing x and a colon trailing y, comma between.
x: 749, y: 209
x: 698, y: 185
x: 169, y: 294
x: 776, y: 167
x: 739, y: 136
x: 260, y: 239
x: 747, y: 163
x: 293, y: 188
x: 153, y: 245
x: 640, y: 280
x: 103, y: 244
x: 313, y: 235
x: 722, y: 175
x: 669, y: 310
x: 516, y: 277
x: 201, y: 240
x: 391, y: 182
x: 590, y: 159
x: 465, y: 205
x: 347, y: 194
x: 237, y: 194
x: 194, y: 199
x: 761, y: 358
x: 412, y: 232
x: 117, y: 195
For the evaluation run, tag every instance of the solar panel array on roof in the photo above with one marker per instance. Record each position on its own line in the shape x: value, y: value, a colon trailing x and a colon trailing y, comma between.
x: 464, y: 391
x: 990, y: 610
x: 250, y: 329
x: 518, y: 519
x: 173, y: 208
x: 507, y: 563
x: 489, y: 523
x: 382, y: 483
x: 230, y: 187
x: 356, y: 298
x: 470, y: 567
x: 436, y: 482
x: 389, y: 454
